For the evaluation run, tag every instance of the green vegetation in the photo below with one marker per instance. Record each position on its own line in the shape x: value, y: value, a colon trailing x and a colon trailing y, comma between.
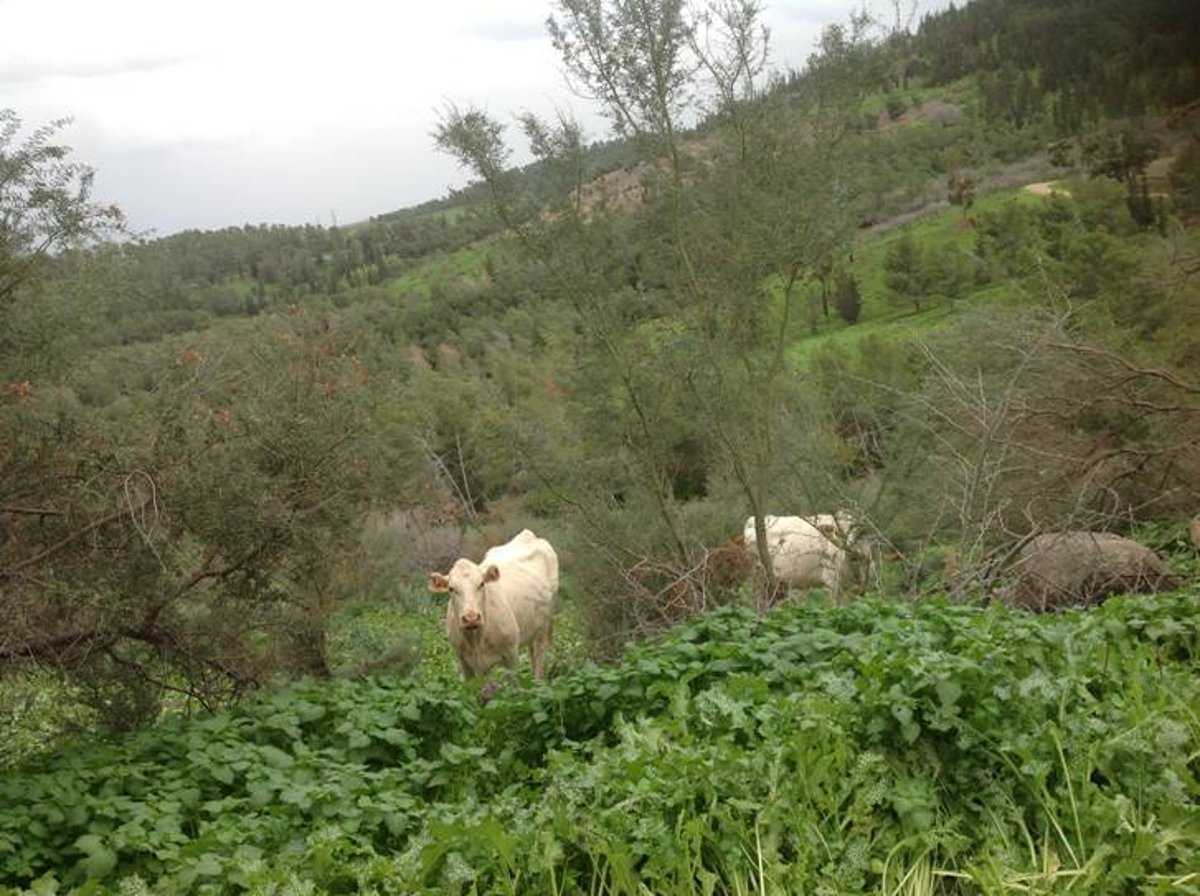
x: 226, y: 459
x: 816, y: 748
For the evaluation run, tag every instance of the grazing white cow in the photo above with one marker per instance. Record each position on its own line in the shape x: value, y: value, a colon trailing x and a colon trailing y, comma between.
x: 501, y: 604
x: 825, y: 550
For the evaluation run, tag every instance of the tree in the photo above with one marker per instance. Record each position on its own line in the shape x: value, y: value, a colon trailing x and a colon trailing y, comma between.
x: 947, y: 272
x: 1143, y: 210
x: 1120, y: 152
x: 45, y: 202
x: 188, y: 537
x: 905, y: 272
x: 1185, y: 181
x: 961, y: 188
x: 847, y: 300
x: 688, y: 380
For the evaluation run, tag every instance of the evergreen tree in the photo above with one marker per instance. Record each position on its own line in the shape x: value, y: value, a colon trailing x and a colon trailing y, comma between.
x: 847, y: 300
x: 905, y: 272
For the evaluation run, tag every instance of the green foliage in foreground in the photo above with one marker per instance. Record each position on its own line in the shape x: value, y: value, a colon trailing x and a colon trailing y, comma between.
x: 869, y: 748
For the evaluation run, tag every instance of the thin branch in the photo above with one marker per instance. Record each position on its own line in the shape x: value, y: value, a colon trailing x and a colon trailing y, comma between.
x: 30, y: 511
x: 53, y: 549
x: 439, y: 465
x: 57, y: 645
x: 1150, y: 372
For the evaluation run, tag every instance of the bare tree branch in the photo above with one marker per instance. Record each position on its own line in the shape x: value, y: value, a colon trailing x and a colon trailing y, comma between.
x: 1151, y: 372
x: 17, y: 568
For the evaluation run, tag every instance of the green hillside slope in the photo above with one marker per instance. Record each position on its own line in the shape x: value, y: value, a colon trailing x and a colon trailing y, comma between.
x: 229, y: 461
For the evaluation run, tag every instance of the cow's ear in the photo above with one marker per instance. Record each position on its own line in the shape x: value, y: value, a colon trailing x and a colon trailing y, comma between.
x: 491, y: 573
x: 438, y: 583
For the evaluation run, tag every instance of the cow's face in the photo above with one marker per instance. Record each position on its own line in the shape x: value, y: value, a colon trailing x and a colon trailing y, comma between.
x: 465, y: 584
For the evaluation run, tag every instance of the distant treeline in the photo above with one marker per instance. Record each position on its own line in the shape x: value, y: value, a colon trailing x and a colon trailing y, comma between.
x: 1077, y: 60
x: 1036, y: 71
x: 311, y: 258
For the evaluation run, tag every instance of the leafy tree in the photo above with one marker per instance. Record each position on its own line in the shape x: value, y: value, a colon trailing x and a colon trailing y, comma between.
x: 1062, y: 153
x: 961, y: 189
x: 1143, y: 209
x: 1120, y: 152
x: 45, y: 208
x: 948, y: 271
x: 45, y: 200
x: 188, y: 537
x: 685, y: 371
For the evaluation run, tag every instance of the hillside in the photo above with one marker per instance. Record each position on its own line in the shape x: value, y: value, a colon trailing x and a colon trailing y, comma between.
x: 230, y: 460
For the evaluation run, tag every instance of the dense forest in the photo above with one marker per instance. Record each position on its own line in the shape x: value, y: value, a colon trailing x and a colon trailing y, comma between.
x: 229, y: 459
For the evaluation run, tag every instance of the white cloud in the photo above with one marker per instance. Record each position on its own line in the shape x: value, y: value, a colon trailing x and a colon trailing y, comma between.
x: 231, y: 111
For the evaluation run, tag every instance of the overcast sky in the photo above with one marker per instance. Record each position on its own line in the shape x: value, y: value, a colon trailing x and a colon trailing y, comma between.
x: 220, y: 113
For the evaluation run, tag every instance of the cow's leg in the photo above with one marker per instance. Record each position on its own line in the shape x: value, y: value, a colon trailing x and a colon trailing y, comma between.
x: 535, y: 657
x: 467, y: 671
x: 538, y: 648
x: 512, y: 657
x: 831, y: 574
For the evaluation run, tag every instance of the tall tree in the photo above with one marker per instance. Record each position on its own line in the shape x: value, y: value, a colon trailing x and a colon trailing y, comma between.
x: 730, y: 231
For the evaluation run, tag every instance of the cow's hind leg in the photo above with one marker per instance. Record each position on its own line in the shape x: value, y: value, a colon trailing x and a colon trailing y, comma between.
x: 538, y: 648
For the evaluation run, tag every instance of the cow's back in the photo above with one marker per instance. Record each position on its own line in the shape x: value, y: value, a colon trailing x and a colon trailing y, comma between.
x: 529, y: 553
x: 528, y: 581
x: 800, y: 554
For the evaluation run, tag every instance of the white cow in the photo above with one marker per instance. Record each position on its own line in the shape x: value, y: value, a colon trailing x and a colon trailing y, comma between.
x: 503, y: 603
x: 825, y: 550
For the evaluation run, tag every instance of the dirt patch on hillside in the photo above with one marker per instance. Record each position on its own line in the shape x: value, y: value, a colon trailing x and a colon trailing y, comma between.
x: 627, y: 189
x: 621, y: 190
x: 1156, y: 180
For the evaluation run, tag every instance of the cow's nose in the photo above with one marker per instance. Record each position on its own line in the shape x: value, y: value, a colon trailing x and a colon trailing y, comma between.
x: 470, y: 620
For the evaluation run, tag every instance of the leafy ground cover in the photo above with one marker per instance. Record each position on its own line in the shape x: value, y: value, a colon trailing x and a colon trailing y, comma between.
x: 875, y: 747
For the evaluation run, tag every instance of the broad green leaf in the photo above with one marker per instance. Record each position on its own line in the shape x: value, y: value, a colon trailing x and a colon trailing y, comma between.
x: 99, y: 860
